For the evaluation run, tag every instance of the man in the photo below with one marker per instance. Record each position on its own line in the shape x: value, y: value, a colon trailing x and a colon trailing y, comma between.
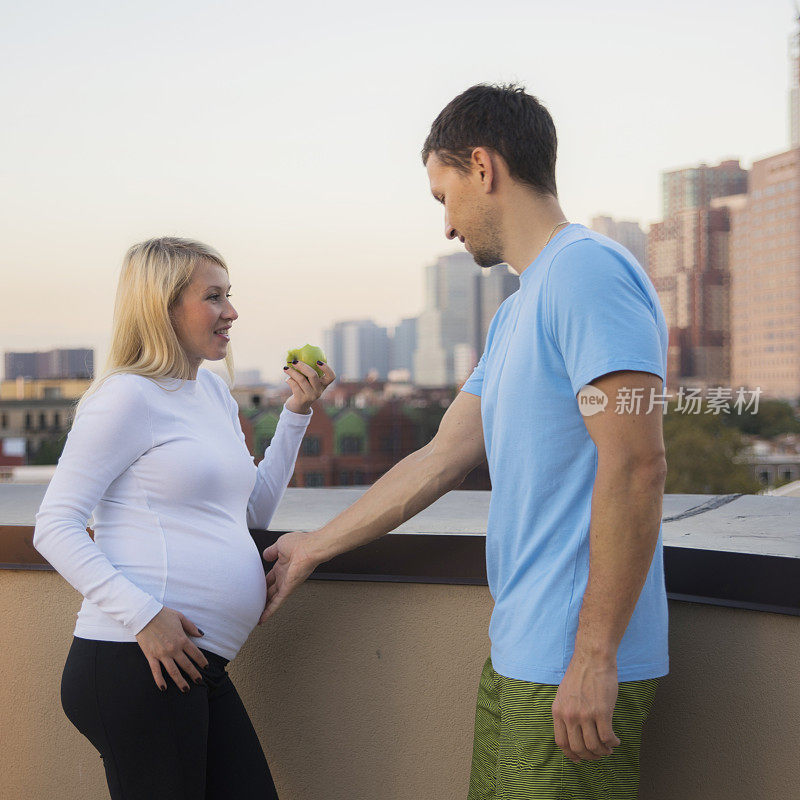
x: 573, y: 543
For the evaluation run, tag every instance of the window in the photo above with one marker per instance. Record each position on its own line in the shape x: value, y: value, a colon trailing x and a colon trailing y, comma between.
x: 389, y: 443
x: 351, y: 445
x: 359, y: 479
x: 345, y: 478
x: 314, y: 479
x: 311, y: 446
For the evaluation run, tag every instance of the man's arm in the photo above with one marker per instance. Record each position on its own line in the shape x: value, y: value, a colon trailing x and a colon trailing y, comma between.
x: 625, y: 520
x: 410, y: 486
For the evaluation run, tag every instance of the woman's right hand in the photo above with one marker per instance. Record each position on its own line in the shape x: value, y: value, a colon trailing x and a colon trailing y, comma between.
x: 164, y: 641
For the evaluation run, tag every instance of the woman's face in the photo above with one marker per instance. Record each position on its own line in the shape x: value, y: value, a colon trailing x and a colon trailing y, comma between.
x: 202, y: 309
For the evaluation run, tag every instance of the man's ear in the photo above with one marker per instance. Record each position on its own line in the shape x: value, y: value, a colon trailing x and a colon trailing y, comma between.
x: 484, y: 168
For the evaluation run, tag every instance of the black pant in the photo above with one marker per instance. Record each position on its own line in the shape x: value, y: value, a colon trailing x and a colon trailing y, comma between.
x: 166, y: 745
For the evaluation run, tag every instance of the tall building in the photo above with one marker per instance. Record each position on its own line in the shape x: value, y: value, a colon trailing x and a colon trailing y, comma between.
x: 441, y: 346
x: 461, y: 299
x: 627, y: 233
x: 465, y: 357
x: 403, y: 344
x: 765, y: 265
x: 765, y: 280
x: 60, y: 363
x: 496, y: 284
x: 696, y: 187
x: 689, y: 264
x: 357, y: 348
x: 450, y: 318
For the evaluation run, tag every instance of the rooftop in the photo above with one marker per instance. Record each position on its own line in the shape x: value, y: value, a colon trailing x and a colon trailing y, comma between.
x: 363, y: 685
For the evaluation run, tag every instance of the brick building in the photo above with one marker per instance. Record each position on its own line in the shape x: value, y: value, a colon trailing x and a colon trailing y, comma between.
x: 765, y: 279
x: 689, y: 264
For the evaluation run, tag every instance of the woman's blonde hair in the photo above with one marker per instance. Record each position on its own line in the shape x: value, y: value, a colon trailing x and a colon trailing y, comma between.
x: 143, y: 341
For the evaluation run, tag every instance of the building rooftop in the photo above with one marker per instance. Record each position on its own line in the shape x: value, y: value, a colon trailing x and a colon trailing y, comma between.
x: 363, y: 685
x: 756, y: 524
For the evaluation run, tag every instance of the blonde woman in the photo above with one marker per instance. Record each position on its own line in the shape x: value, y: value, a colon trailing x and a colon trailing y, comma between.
x: 173, y: 583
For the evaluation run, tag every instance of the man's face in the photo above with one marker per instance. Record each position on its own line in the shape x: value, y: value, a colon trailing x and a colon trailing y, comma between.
x: 469, y: 213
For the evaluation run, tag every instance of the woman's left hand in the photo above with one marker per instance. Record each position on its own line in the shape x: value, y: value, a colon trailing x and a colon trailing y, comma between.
x: 306, y: 385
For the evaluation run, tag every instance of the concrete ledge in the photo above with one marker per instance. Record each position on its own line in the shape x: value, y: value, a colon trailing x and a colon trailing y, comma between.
x: 366, y: 690
x: 363, y: 685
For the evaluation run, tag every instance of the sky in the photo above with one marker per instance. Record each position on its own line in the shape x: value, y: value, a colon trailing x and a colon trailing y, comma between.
x: 287, y: 136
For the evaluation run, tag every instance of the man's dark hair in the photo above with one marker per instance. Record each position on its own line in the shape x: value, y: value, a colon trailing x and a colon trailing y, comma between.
x: 507, y: 120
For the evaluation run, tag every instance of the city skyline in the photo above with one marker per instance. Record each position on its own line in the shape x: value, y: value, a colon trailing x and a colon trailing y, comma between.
x: 318, y: 199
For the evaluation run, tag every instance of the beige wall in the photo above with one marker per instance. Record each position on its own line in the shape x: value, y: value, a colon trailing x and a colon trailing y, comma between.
x: 365, y: 691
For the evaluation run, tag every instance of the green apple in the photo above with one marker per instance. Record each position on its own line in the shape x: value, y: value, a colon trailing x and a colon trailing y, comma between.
x: 308, y: 354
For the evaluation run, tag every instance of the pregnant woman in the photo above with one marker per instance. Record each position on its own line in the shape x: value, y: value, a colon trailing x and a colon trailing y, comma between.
x: 173, y: 583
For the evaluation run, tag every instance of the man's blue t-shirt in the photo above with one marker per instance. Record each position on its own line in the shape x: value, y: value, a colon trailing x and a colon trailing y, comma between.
x: 584, y: 307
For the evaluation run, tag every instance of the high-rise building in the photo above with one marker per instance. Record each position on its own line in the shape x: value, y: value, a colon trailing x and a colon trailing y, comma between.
x: 357, y: 348
x: 627, y: 233
x: 441, y: 346
x: 465, y: 358
x: 765, y: 279
x: 60, y: 363
x: 765, y: 265
x: 688, y: 262
x: 450, y: 317
x: 461, y: 300
x: 403, y: 344
x: 696, y: 187
x: 496, y: 284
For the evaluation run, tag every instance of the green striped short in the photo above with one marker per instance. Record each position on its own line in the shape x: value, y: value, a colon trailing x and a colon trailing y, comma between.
x: 515, y: 756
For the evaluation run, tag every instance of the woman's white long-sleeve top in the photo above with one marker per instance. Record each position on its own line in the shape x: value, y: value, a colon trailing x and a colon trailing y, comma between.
x: 174, y: 490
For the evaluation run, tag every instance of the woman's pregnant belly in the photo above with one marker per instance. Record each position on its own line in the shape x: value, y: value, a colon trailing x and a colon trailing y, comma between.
x: 215, y: 577
x: 221, y: 588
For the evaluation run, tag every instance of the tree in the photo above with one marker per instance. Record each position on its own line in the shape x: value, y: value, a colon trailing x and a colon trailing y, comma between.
x: 49, y: 451
x: 772, y: 418
x: 701, y: 456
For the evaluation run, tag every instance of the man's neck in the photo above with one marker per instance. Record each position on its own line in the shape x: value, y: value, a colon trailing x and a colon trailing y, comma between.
x: 527, y: 224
